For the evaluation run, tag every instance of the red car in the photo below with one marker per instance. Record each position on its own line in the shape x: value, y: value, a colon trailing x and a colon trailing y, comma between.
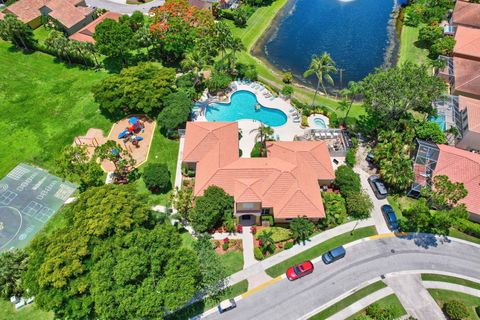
x: 299, y: 270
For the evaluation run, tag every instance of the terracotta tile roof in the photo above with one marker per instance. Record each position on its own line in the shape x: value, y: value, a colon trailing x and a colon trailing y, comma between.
x: 467, y: 43
x: 473, y: 112
x: 86, y: 33
x: 467, y: 14
x: 462, y: 166
x: 467, y: 77
x: 65, y: 11
x: 286, y: 180
x: 2, y: 15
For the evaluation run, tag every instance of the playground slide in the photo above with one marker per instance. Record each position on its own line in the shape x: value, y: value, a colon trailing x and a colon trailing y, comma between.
x: 122, y: 134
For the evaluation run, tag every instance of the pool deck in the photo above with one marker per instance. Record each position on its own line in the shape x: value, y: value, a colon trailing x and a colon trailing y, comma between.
x: 285, y: 132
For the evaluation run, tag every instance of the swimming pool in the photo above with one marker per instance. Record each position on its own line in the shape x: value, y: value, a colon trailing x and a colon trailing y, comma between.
x: 440, y: 120
x: 320, y: 123
x: 243, y: 105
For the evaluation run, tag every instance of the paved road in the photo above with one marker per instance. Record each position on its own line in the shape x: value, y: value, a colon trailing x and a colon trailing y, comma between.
x: 123, y: 7
x: 363, y: 262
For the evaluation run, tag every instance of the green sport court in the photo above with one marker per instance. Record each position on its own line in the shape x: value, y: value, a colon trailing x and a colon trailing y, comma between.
x: 29, y: 197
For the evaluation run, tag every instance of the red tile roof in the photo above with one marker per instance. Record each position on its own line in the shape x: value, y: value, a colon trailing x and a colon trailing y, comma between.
x: 467, y: 77
x: 1, y: 15
x: 67, y: 12
x: 86, y: 33
x: 467, y: 43
x: 473, y: 112
x: 462, y: 166
x: 467, y: 14
x: 287, y: 180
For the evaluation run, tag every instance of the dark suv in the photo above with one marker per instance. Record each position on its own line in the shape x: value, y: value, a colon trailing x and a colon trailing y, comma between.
x: 378, y: 187
x: 333, y: 255
x: 390, y: 217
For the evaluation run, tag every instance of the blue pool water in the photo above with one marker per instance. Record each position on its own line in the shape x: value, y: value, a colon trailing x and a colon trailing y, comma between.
x: 242, y: 106
x: 440, y: 120
x: 358, y: 34
x: 320, y: 123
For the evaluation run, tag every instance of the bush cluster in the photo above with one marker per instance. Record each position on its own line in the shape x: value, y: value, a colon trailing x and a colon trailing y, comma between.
x: 455, y: 310
x: 258, y: 253
x: 278, y: 234
x: 157, y: 177
x: 288, y: 245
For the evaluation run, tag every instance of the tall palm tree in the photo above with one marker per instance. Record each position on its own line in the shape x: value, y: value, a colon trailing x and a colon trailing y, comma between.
x: 353, y: 89
x: 262, y: 133
x: 322, y: 67
x: 193, y: 61
x: 236, y: 45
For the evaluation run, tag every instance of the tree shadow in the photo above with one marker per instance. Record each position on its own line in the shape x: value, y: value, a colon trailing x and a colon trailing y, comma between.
x: 425, y: 240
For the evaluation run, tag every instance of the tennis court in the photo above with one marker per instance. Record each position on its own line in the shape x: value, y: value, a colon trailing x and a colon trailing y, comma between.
x: 29, y: 197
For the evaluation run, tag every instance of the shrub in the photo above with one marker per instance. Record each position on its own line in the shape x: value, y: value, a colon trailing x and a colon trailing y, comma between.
x: 287, y: 77
x: 239, y: 228
x: 257, y: 253
x: 334, y: 122
x: 350, y: 158
x: 468, y: 227
x: 455, y: 310
x: 287, y: 90
x: 216, y: 244
x: 269, y: 219
x: 477, y: 310
x: 253, y: 229
x: 157, y: 177
x: 375, y: 311
x: 278, y: 234
x: 347, y: 180
x: 218, y: 81
x: 304, y: 121
x: 288, y: 245
x: 335, y: 210
x: 225, y: 246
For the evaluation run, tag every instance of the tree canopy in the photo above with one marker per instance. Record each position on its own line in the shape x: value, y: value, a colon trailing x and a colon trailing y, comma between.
x: 178, y: 106
x: 445, y: 193
x: 140, y: 88
x: 211, y: 209
x: 13, y: 264
x: 302, y: 229
x: 335, y: 209
x: 392, y: 94
x: 347, y: 180
x: 114, y: 39
x: 157, y: 177
x: 111, y: 260
x: 14, y: 30
x: 430, y: 131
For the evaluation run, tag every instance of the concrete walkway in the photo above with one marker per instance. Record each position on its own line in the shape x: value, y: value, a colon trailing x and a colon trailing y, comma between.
x: 247, y: 242
x: 361, y: 304
x: 451, y: 287
x: 178, y: 170
x: 260, y: 266
x: 414, y: 297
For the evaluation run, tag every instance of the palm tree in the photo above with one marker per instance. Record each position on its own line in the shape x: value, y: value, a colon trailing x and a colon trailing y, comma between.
x: 266, y: 242
x: 193, y: 61
x: 262, y: 133
x: 353, y: 89
x: 322, y: 67
x: 236, y: 46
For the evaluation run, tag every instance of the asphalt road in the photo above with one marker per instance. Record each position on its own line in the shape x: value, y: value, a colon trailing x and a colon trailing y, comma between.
x: 363, y: 262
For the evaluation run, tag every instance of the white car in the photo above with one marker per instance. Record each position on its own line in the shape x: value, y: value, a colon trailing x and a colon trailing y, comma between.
x: 226, y: 305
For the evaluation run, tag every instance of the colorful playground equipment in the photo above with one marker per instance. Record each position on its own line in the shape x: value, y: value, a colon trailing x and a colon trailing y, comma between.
x: 130, y: 133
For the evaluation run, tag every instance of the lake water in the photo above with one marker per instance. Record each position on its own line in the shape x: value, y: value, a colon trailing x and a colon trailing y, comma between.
x: 358, y: 34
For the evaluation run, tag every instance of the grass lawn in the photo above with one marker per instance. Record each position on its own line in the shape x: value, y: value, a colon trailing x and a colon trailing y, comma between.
x: 30, y: 312
x: 44, y: 105
x: 256, y: 26
x: 390, y: 301
x: 444, y: 278
x: 162, y: 150
x: 409, y: 50
x: 319, y: 249
x: 42, y: 33
x: 442, y: 296
x: 233, y: 261
x: 342, y: 304
x: 460, y: 235
x: 208, y: 303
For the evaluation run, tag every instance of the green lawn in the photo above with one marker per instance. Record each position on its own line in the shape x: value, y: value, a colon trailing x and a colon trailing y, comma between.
x: 321, y: 248
x: 342, y: 304
x: 208, y: 303
x: 390, y: 301
x: 409, y: 50
x: 233, y: 261
x: 163, y: 150
x: 44, y: 105
x: 257, y: 24
x: 444, y: 278
x: 30, y: 312
x: 460, y: 235
x: 442, y: 296
x: 42, y: 33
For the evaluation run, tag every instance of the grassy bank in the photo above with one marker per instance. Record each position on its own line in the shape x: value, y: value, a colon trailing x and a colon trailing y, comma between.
x: 342, y: 304
x: 44, y: 105
x: 450, y: 279
x: 410, y: 51
x: 442, y: 296
x: 30, y: 312
x: 319, y: 249
x: 257, y: 25
x: 390, y: 301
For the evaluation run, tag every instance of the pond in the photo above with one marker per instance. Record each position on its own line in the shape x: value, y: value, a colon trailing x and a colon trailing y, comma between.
x: 359, y: 35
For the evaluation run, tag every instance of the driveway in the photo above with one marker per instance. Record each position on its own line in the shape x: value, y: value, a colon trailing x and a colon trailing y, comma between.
x: 121, y: 6
x: 363, y: 262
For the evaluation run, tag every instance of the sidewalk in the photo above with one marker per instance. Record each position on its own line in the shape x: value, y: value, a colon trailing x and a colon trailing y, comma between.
x: 261, y: 266
x: 451, y: 287
x: 414, y: 297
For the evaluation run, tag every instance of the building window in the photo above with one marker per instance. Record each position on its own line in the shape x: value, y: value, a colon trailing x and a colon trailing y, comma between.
x: 289, y: 219
x: 265, y: 211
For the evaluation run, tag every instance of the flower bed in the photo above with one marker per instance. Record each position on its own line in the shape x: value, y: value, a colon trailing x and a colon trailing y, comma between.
x: 227, y: 245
